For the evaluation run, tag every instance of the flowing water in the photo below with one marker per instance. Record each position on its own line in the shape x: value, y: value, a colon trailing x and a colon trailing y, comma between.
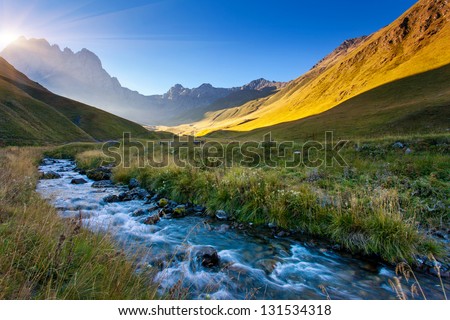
x: 253, y: 263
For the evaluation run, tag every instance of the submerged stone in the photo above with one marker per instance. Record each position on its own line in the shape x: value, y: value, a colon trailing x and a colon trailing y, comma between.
x: 207, y: 256
x: 50, y: 175
x: 152, y: 219
x: 133, y: 184
x: 103, y: 184
x: 222, y: 215
x: 78, y: 181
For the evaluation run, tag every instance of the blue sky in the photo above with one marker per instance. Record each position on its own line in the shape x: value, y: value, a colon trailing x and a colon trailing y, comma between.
x: 151, y: 45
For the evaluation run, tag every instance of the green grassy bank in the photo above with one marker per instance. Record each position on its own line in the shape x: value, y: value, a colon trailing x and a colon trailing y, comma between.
x: 384, y: 203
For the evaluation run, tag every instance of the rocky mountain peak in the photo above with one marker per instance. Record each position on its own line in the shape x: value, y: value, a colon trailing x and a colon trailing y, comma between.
x: 89, y: 57
x: 342, y: 49
x: 174, y: 92
x: 349, y: 43
x: 261, y: 84
x: 32, y: 41
x: 205, y: 90
x: 68, y: 51
x: 80, y: 76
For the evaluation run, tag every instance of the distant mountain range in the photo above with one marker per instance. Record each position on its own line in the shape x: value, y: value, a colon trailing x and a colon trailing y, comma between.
x: 406, y: 63
x: 32, y: 115
x: 81, y: 76
x: 393, y: 81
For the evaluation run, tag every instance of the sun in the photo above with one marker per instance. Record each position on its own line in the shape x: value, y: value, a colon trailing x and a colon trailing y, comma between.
x: 6, y: 37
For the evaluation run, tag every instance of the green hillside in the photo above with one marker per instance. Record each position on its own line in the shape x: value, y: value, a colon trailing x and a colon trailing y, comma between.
x: 25, y: 121
x: 416, y: 104
x: 30, y: 114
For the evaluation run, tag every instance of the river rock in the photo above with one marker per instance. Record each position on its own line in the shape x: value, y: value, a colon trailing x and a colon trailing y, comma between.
x: 111, y: 198
x: 336, y: 247
x: 207, y: 256
x: 141, y: 194
x: 133, y: 184
x: 152, y: 208
x: 135, y: 194
x: 408, y: 151
x: 155, y: 197
x: 50, y: 175
x: 222, y: 215
x: 139, y: 212
x: 179, y: 211
x: 268, y: 265
x: 372, y: 267
x: 103, y: 184
x: 152, y: 219
x: 102, y: 173
x: 163, y: 214
x: 47, y: 162
x: 440, y: 234
x: 223, y: 228
x: 172, y: 203
x: 283, y: 234
x: 199, y: 209
x: 271, y: 225
x: 78, y: 181
x: 163, y: 202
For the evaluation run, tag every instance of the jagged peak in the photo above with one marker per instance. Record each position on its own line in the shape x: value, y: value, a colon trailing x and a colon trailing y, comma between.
x: 262, y: 83
x: 205, y: 85
x: 343, y: 48
x: 86, y: 52
x: 45, y: 44
x: 68, y: 51
x: 348, y: 44
x: 22, y: 40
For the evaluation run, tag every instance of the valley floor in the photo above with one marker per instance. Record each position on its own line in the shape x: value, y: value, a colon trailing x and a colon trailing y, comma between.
x: 390, y: 199
x: 391, y: 202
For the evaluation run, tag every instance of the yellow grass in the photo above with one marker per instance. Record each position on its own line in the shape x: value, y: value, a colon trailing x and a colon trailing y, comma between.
x: 371, y: 64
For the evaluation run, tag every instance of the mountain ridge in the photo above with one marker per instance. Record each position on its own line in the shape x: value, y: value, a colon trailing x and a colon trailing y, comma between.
x: 81, y: 76
x: 31, y: 114
x: 396, y: 108
x: 416, y: 42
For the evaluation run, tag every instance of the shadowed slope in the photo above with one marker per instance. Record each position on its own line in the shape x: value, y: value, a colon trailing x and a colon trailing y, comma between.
x: 30, y: 114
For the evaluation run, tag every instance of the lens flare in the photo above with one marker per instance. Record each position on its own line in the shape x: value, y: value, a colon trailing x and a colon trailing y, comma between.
x: 6, y: 37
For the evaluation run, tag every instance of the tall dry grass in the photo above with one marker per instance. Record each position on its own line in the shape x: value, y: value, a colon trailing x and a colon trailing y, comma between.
x: 46, y: 257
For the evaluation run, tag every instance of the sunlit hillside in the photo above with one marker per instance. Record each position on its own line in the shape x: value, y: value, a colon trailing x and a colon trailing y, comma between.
x: 416, y: 42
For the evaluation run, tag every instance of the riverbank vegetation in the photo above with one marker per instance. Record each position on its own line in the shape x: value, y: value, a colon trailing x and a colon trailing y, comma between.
x: 388, y: 201
x: 46, y: 257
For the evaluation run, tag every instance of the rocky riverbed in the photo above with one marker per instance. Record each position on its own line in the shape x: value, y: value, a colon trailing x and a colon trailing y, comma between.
x: 198, y: 257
